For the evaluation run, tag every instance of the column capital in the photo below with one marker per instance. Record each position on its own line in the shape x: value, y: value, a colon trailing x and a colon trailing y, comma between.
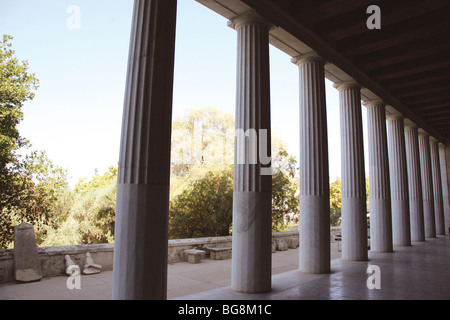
x: 410, y: 125
x: 250, y: 17
x: 433, y: 139
x: 342, y: 85
x: 423, y: 133
x: 312, y: 56
x: 374, y: 103
x: 394, y: 116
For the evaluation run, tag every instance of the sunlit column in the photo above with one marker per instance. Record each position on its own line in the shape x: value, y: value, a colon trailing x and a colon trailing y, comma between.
x: 314, y: 247
x: 252, y: 196
x: 141, y: 234
x: 353, y: 190
x: 437, y: 187
x: 414, y: 183
x: 401, y: 226
x: 427, y: 184
x: 379, y: 183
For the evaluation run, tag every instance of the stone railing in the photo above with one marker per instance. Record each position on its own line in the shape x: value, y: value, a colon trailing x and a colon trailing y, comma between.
x: 53, y: 262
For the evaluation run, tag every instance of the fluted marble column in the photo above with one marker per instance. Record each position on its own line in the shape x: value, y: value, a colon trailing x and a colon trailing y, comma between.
x: 379, y: 183
x: 427, y: 184
x: 445, y: 194
x: 437, y: 187
x: 314, y: 248
x: 252, y: 197
x: 414, y: 183
x: 354, y: 209
x: 401, y: 226
x: 141, y: 234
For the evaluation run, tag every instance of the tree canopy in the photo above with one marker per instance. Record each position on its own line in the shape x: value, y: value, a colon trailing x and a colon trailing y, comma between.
x: 34, y: 189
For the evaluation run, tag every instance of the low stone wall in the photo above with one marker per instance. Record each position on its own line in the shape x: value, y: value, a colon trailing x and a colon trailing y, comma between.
x: 53, y: 263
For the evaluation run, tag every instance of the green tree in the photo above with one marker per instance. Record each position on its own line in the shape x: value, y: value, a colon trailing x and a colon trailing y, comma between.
x: 29, y: 184
x: 201, y: 136
x: 17, y: 86
x: 202, y: 177
x: 335, y: 202
x: 285, y: 200
x: 91, y: 214
x: 42, y: 199
x: 204, y: 207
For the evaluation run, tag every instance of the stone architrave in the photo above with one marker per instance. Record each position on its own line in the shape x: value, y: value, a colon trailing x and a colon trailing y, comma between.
x: 27, y: 266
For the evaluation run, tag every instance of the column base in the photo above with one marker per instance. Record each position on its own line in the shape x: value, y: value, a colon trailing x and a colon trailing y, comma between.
x: 314, y: 246
x: 140, y: 246
x: 252, y: 242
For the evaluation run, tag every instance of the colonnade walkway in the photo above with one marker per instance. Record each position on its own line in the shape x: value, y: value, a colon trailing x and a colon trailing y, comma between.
x: 420, y: 271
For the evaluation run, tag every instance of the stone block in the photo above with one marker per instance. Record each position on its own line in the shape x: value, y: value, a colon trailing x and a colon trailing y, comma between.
x: 281, y: 245
x: 194, y: 255
x: 293, y: 243
x: 27, y: 266
x: 219, y: 253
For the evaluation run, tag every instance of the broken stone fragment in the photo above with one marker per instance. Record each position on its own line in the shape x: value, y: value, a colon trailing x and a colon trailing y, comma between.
x: 89, y: 266
x: 72, y: 268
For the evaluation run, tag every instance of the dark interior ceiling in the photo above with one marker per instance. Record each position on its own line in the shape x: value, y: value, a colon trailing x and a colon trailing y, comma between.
x: 406, y: 62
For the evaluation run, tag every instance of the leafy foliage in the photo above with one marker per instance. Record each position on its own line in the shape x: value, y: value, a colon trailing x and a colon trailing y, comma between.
x: 335, y: 202
x: 202, y: 189
x: 34, y: 189
x: 204, y: 207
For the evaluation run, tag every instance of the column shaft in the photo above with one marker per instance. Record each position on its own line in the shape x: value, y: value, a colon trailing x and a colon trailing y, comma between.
x: 437, y: 187
x: 353, y: 203
x: 379, y: 184
x: 314, y: 250
x: 427, y: 185
x: 414, y: 183
x: 141, y: 235
x: 401, y: 226
x: 252, y: 197
x: 444, y: 185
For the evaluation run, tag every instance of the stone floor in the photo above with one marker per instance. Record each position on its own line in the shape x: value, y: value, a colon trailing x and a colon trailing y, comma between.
x: 421, y: 271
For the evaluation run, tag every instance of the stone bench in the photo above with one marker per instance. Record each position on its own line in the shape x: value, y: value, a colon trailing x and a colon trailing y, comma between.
x: 194, y: 255
x: 219, y: 253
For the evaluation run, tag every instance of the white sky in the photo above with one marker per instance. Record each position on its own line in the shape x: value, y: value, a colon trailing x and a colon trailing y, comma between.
x: 76, y: 114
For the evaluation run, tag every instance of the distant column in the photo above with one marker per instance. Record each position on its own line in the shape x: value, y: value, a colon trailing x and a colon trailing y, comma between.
x: 401, y: 227
x: 379, y: 184
x: 354, y: 209
x: 142, y: 210
x: 427, y: 184
x: 414, y: 183
x: 445, y: 194
x: 314, y: 248
x: 437, y: 187
x: 252, y: 197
